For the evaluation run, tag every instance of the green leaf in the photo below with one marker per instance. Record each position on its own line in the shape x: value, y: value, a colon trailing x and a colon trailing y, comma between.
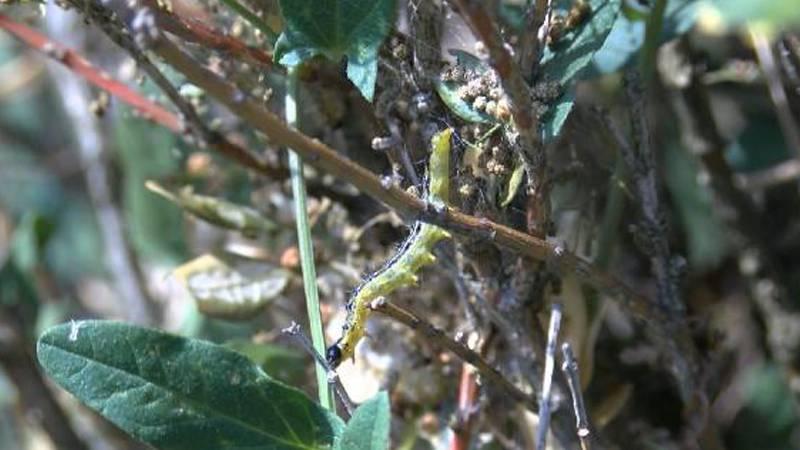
x: 177, y: 393
x: 368, y: 429
x: 513, y: 183
x: 216, y: 211
x: 571, y: 57
x: 282, y: 363
x: 30, y: 239
x: 627, y: 35
x: 334, y: 29
x: 706, y: 245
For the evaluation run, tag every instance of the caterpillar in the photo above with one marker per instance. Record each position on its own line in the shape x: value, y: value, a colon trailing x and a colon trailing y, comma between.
x: 400, y: 271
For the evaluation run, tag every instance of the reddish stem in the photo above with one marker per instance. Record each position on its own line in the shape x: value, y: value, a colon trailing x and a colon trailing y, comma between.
x: 467, y: 395
x: 84, y: 68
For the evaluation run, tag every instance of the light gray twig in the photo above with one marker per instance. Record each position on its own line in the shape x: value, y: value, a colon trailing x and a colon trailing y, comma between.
x: 547, y: 378
x: 296, y: 332
x: 570, y: 369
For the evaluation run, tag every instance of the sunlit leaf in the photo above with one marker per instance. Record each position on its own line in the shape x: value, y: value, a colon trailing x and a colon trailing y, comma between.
x: 220, y: 291
x: 566, y: 61
x: 178, y: 393
x: 335, y: 29
x: 368, y: 429
x: 217, y: 211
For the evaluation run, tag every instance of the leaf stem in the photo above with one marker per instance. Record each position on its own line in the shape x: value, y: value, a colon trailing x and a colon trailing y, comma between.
x: 652, y: 37
x: 306, y: 248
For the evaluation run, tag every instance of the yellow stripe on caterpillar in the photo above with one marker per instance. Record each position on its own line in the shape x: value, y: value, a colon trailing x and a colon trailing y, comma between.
x: 401, y: 270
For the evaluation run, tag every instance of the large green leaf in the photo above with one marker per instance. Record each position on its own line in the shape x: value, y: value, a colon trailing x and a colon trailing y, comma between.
x: 368, y: 429
x: 570, y: 57
x: 178, y: 393
x: 353, y: 29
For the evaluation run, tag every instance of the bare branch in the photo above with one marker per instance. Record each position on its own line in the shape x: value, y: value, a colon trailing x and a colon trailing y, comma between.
x: 570, y: 368
x: 295, y: 331
x: 439, y: 338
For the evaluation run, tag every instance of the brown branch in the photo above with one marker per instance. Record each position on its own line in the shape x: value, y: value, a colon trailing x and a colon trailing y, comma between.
x: 530, y: 40
x: 195, y: 31
x: 439, y: 338
x: 525, y: 121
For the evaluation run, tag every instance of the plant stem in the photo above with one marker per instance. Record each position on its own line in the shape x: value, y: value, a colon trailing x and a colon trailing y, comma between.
x: 306, y: 248
x: 652, y: 37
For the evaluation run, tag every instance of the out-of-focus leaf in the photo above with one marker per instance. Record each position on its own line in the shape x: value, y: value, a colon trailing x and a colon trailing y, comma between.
x: 768, y: 418
x: 29, y: 240
x: 335, y: 29
x: 222, y: 292
x: 24, y: 185
x: 147, y: 152
x: 627, y: 35
x: 368, y: 429
x: 514, y: 182
x: 216, y: 211
x: 76, y: 250
x: 17, y: 293
x: 571, y: 56
x: 181, y: 394
x: 282, y: 363
x: 770, y: 14
x: 759, y: 146
x: 705, y: 239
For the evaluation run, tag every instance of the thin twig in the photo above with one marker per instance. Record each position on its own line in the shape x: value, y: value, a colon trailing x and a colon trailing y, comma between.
x: 296, y: 331
x: 439, y: 338
x: 193, y: 30
x: 547, y: 377
x: 582, y: 424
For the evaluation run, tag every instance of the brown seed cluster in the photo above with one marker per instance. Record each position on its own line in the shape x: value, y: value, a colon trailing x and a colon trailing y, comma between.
x: 481, y: 89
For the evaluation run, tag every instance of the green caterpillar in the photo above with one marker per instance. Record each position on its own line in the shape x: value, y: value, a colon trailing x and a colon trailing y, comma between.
x: 401, y: 270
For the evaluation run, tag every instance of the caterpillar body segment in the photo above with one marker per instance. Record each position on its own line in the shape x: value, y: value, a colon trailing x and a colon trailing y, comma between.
x: 401, y: 270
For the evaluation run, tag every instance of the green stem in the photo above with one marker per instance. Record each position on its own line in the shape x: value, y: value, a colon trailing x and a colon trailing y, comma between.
x: 652, y: 37
x: 252, y: 19
x: 306, y: 248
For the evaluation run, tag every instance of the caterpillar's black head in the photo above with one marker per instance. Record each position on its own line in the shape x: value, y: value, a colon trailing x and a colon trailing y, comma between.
x: 334, y: 355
